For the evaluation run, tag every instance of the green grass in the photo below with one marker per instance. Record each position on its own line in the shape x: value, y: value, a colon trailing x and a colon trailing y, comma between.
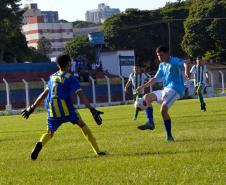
x: 136, y: 157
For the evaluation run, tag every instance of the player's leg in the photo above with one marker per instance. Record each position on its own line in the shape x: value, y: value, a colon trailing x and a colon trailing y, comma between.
x: 149, y: 98
x: 88, y: 135
x: 201, y: 99
x: 43, y: 140
x: 167, y: 121
x: 135, y: 96
x: 52, y: 127
x: 169, y: 97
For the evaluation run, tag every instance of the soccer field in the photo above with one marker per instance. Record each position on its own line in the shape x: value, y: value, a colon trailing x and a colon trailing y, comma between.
x: 136, y: 157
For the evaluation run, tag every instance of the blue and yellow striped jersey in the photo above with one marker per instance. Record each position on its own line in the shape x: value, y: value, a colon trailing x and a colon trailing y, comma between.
x: 59, y: 101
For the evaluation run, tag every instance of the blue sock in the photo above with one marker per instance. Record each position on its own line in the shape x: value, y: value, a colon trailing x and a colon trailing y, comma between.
x: 149, y: 114
x: 167, y: 124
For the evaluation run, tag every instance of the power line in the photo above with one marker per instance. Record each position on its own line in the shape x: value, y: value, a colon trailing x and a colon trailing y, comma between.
x: 168, y: 20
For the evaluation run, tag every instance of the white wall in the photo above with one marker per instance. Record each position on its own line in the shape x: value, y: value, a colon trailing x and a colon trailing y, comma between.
x: 110, y: 62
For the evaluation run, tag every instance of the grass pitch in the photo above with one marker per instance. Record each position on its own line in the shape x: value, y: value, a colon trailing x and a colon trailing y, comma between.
x: 136, y: 157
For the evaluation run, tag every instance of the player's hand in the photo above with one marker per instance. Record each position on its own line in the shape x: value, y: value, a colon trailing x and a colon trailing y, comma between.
x: 28, y: 111
x: 139, y: 89
x: 96, y: 115
x: 125, y: 89
x: 186, y: 76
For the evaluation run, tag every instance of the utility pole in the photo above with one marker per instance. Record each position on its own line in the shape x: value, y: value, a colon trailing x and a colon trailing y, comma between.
x: 169, y: 38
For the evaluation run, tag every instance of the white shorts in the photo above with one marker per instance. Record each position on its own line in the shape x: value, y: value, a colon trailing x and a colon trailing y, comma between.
x: 167, y: 96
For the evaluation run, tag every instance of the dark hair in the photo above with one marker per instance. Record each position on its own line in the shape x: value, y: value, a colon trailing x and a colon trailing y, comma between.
x: 137, y: 65
x: 198, y: 58
x: 63, y: 60
x: 162, y: 49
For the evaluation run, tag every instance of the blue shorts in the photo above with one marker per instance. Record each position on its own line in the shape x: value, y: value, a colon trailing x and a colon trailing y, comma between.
x: 55, y: 123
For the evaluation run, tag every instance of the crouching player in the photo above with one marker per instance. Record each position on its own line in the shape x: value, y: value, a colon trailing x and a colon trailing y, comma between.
x: 200, y: 73
x: 170, y: 71
x: 60, y: 107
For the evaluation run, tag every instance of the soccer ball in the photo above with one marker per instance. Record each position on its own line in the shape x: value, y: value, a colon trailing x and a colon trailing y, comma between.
x: 140, y: 104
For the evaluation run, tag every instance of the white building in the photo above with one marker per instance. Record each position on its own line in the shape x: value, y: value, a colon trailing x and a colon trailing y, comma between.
x: 57, y: 33
x: 99, y: 15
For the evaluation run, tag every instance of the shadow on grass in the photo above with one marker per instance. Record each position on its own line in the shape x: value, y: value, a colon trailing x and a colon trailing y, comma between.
x: 221, y: 139
x: 144, y: 153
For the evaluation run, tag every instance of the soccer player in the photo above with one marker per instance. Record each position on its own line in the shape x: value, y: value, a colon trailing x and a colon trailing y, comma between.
x: 200, y: 74
x: 138, y: 78
x: 170, y: 71
x: 58, y: 94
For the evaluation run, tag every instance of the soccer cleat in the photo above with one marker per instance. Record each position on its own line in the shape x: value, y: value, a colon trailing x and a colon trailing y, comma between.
x: 146, y: 126
x: 36, y: 150
x: 203, y: 107
x: 102, y: 153
x: 170, y: 139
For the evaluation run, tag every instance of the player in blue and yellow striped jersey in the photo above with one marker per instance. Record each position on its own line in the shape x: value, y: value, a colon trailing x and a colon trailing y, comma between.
x: 59, y: 105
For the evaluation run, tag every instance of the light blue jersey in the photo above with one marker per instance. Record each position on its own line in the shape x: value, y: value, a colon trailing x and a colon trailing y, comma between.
x: 171, y: 73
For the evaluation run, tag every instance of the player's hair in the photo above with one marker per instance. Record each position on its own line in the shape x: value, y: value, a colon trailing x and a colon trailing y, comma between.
x: 198, y: 58
x: 162, y: 49
x: 137, y: 65
x: 63, y: 60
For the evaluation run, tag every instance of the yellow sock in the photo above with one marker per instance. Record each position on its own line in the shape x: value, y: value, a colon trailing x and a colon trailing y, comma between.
x: 89, y: 136
x: 45, y: 138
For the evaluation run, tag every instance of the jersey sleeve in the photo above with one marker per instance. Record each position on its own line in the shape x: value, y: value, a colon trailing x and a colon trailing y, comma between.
x: 205, y: 69
x: 74, y: 83
x: 130, y: 77
x: 193, y: 69
x: 177, y: 62
x: 49, y: 84
x: 146, y: 76
x: 159, y: 73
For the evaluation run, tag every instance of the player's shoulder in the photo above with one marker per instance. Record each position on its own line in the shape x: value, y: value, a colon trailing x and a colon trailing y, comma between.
x: 131, y: 75
x: 176, y: 59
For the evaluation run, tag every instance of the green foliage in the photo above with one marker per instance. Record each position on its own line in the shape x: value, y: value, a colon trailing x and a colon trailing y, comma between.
x: 33, y: 55
x: 83, y: 24
x: 80, y: 46
x: 205, y: 29
x: 13, y: 45
x: 44, y: 46
x: 136, y: 157
x: 143, y: 31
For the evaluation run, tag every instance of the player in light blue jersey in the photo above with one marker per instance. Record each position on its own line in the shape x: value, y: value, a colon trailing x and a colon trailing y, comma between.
x: 171, y: 73
x: 60, y: 107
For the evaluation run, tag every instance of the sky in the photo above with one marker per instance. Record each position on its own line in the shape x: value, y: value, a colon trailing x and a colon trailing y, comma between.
x: 73, y: 10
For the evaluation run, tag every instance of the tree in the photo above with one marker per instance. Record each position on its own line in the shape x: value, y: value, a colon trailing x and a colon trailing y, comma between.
x: 143, y: 31
x: 12, y: 42
x: 84, y: 24
x: 34, y: 56
x: 205, y: 29
x: 44, y: 46
x: 80, y: 46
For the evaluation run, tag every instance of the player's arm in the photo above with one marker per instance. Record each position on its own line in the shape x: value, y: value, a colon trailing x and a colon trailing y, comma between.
x: 29, y: 110
x: 148, y: 84
x: 186, y: 71
x: 127, y: 85
x: 95, y: 113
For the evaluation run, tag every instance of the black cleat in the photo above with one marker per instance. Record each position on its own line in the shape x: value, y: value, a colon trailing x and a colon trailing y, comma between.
x: 36, y: 150
x: 146, y: 126
x: 170, y: 139
x: 102, y: 153
x: 203, y: 107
